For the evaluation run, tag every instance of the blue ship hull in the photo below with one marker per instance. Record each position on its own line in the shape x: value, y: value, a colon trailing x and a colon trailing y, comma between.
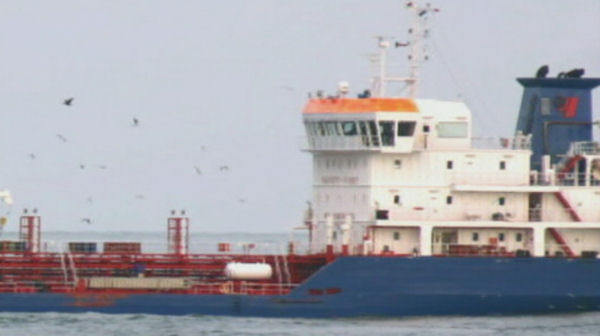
x: 372, y: 286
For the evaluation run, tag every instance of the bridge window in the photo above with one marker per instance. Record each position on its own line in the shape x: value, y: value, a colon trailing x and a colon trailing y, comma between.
x: 349, y: 128
x: 448, y: 199
x: 475, y: 236
x: 331, y: 128
x: 449, y: 164
x: 309, y: 128
x: 387, y: 133
x: 364, y: 133
x: 519, y: 237
x: 452, y: 129
x: 373, y: 132
x: 501, y: 236
x: 320, y: 128
x: 396, y: 235
x: 502, y: 165
x: 397, y: 200
x: 501, y: 201
x: 406, y: 128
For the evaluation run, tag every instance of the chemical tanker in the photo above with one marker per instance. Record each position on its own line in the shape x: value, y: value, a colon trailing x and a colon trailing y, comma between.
x: 409, y: 217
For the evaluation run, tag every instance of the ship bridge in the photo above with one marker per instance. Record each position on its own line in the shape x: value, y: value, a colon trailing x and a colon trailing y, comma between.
x: 391, y: 125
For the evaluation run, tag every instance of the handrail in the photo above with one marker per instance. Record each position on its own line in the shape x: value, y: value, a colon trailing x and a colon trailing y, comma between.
x: 483, y: 214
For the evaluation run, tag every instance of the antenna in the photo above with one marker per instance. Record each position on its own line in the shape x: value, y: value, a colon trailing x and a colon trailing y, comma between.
x: 380, y: 82
x: 419, y: 32
x: 418, y: 51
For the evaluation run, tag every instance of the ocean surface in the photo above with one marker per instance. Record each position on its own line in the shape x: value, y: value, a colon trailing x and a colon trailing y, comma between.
x: 94, y: 324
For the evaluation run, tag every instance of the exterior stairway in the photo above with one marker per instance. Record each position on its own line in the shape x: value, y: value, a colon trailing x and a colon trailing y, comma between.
x: 555, y: 234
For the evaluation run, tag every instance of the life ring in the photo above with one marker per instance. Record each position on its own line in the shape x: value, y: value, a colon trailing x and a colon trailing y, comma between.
x: 225, y: 288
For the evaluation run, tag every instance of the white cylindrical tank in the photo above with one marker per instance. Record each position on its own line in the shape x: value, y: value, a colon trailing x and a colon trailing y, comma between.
x: 247, y: 271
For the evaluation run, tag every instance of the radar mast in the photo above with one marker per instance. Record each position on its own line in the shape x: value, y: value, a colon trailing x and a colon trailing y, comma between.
x: 418, y: 32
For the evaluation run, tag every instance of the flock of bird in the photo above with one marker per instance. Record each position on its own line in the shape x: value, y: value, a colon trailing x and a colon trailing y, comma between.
x: 543, y: 71
x: 135, y: 122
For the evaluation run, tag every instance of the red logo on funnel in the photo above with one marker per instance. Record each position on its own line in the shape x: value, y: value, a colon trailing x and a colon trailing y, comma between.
x: 569, y: 107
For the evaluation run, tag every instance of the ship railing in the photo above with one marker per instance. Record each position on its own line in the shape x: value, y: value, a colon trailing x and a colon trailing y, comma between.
x: 584, y: 148
x: 508, y: 214
x: 216, y: 248
x: 564, y: 179
x: 519, y: 142
x: 559, y: 215
x: 34, y: 286
x: 552, y: 249
x: 514, y: 179
x: 418, y: 213
x: 487, y: 178
x: 463, y: 250
x: 55, y: 249
x: 579, y: 249
x: 356, y: 142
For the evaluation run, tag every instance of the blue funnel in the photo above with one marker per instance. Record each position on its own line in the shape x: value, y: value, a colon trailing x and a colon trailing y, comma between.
x: 556, y: 112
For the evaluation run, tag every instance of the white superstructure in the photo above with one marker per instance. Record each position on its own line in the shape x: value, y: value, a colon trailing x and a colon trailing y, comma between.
x: 401, y: 176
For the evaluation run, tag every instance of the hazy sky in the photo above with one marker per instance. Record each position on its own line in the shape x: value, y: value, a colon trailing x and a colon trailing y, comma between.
x: 218, y: 83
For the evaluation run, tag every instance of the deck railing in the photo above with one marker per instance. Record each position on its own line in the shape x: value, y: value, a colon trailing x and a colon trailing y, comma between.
x: 526, y: 250
x: 585, y: 148
x: 506, y: 214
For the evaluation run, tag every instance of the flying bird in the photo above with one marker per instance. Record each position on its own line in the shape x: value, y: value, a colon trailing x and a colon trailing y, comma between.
x: 198, y: 171
x: 32, y: 156
x: 68, y: 101
x: 136, y: 122
x: 88, y: 221
x: 223, y: 168
x: 140, y: 197
x: 61, y: 137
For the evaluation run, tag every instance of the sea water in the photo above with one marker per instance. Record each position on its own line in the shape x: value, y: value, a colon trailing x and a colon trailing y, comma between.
x: 92, y: 324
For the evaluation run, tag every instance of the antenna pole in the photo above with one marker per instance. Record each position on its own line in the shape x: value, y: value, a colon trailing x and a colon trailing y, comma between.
x: 419, y: 32
x: 418, y: 53
x: 383, y: 45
